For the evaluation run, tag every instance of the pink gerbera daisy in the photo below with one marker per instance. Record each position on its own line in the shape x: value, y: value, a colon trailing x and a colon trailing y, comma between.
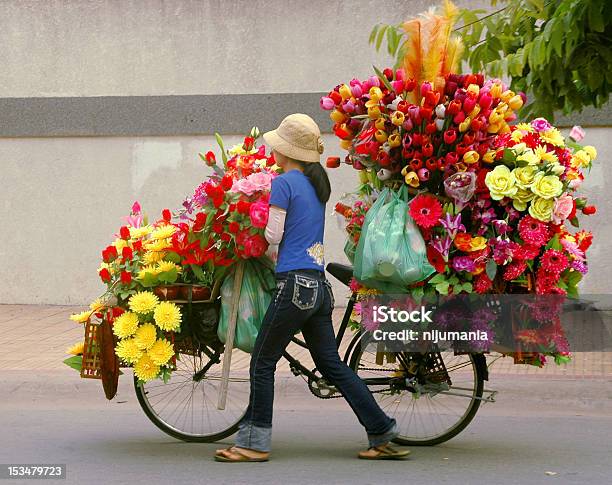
x: 554, y: 261
x: 533, y: 232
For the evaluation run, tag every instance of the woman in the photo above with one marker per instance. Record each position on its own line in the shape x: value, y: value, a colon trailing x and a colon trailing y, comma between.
x: 303, y: 300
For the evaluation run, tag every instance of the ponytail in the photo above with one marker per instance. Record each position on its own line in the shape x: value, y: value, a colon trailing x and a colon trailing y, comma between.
x: 318, y: 178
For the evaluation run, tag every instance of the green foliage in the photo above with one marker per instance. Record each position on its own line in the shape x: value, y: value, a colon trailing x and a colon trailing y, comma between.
x: 558, y: 51
x: 75, y: 362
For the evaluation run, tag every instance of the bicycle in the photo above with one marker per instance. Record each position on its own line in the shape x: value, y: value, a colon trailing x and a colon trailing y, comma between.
x: 432, y: 395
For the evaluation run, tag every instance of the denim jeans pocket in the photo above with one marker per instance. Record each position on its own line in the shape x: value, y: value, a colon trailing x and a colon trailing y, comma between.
x: 331, y: 293
x: 305, y: 291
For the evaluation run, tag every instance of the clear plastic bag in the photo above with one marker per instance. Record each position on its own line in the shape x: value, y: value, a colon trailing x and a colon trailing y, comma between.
x: 391, y: 254
x: 258, y: 285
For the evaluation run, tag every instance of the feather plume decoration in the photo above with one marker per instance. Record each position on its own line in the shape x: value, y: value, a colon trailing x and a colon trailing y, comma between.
x: 431, y: 51
x: 452, y: 55
x: 413, y: 60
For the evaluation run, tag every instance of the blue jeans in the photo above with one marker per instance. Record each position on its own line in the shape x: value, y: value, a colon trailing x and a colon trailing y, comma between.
x: 304, y: 301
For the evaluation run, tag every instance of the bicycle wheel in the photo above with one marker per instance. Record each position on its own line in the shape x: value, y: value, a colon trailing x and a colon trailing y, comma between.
x: 186, y: 406
x: 430, y: 407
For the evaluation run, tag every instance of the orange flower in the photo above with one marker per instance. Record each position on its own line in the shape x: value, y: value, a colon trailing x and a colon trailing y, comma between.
x: 463, y: 241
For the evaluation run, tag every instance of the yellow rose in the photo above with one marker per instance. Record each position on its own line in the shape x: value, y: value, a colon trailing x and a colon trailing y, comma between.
x: 522, y: 198
x: 591, y: 152
x: 477, y: 243
x: 524, y: 176
x: 501, y: 182
x: 546, y: 186
x: 541, y: 209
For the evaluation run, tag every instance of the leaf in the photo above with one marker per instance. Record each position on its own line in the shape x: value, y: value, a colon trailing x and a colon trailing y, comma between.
x: 220, y: 143
x: 169, y: 276
x: 373, y: 34
x: 554, y: 243
x: 491, y: 269
x: 75, y: 362
x: 149, y: 280
x: 173, y: 257
x: 437, y: 279
x: 442, y: 288
x: 383, y: 78
x: 381, y: 35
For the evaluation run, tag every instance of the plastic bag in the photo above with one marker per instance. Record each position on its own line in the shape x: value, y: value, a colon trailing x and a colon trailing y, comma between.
x: 391, y: 253
x: 258, y: 285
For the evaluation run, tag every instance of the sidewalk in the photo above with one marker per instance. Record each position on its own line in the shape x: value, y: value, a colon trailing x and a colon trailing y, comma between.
x: 35, y: 337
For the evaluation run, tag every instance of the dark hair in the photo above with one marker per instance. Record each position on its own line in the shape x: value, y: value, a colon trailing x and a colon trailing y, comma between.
x: 318, y: 178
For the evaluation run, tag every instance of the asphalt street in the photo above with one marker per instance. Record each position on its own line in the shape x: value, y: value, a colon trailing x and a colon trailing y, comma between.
x: 539, y: 431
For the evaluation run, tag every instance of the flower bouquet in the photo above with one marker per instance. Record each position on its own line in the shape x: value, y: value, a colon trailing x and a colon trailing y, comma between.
x: 154, y: 272
x: 493, y: 201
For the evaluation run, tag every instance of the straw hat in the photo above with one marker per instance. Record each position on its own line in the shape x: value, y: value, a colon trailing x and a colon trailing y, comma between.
x: 297, y: 137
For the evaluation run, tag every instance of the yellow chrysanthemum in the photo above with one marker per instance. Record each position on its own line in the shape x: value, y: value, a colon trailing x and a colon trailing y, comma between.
x: 517, y: 135
x: 143, y: 302
x: 158, y: 244
x: 161, y: 352
x: 525, y: 127
x: 163, y: 266
x: 81, y: 317
x: 145, y: 336
x: 76, y: 349
x: 147, y: 269
x: 152, y: 257
x: 138, y: 232
x: 97, y: 305
x: 167, y: 316
x: 145, y: 369
x: 545, y: 156
x: 552, y: 136
x: 120, y: 244
x: 163, y: 232
x: 128, y: 351
x: 125, y: 325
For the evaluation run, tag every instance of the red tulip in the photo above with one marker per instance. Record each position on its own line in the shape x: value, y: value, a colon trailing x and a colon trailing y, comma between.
x: 459, y: 118
x: 210, y: 159
x: 425, y: 88
x: 416, y: 164
x: 468, y: 139
x: 332, y: 162
x: 166, y: 215
x: 335, y: 97
x: 450, y: 136
x: 451, y: 158
x: 431, y: 127
x: 410, y: 85
x: 454, y: 107
x: 137, y: 246
x: 109, y: 254
x: 431, y: 164
x: 427, y: 150
x: 127, y: 253
x: 425, y: 113
x: 589, y: 210
x: 124, y: 232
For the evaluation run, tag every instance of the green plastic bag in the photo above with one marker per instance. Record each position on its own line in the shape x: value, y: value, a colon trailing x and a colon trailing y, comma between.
x: 391, y: 253
x: 258, y: 285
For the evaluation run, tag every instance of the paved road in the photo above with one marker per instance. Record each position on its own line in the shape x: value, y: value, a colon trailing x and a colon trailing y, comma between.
x: 562, y: 427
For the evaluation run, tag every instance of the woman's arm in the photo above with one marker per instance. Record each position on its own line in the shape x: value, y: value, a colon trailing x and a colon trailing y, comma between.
x: 276, y: 225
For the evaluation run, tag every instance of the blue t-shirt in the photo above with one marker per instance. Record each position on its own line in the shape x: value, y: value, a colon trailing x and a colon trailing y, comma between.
x: 302, y: 244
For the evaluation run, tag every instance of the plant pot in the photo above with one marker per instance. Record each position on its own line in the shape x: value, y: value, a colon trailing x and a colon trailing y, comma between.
x: 167, y: 292
x: 198, y: 293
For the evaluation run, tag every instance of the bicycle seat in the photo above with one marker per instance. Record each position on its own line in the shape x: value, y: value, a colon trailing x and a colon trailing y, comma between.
x: 342, y: 272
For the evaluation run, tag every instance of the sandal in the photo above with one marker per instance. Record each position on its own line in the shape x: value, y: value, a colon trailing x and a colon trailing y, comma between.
x: 383, y: 452
x: 221, y: 455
